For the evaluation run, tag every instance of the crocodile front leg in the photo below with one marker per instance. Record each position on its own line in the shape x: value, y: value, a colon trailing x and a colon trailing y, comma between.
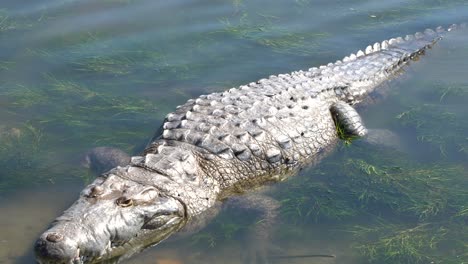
x: 347, y: 118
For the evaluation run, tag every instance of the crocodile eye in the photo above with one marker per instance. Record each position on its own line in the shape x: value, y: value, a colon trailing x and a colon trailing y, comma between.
x: 124, y: 202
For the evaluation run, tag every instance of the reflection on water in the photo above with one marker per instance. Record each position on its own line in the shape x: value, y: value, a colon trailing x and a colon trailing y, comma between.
x: 75, y: 74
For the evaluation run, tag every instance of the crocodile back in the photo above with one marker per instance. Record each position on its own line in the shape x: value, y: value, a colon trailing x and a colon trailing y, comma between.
x: 256, y: 133
x: 266, y: 130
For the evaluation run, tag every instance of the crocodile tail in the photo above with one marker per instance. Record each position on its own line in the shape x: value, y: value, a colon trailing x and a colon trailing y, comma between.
x: 365, y: 70
x: 401, y: 49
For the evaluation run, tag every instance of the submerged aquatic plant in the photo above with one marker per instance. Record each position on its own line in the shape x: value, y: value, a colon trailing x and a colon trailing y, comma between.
x: 430, y: 122
x: 422, y: 243
x: 6, y: 65
x: 13, y: 22
x: 266, y: 33
x: 408, y: 245
x: 375, y: 183
x: 9, y: 23
x: 20, y: 149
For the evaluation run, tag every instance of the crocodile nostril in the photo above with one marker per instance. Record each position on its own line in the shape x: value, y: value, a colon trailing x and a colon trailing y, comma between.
x: 54, y: 237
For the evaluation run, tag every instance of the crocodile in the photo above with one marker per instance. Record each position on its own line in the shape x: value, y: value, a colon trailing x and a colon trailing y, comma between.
x: 221, y: 145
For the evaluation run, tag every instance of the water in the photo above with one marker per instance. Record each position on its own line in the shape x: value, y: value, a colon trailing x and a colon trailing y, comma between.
x: 79, y: 74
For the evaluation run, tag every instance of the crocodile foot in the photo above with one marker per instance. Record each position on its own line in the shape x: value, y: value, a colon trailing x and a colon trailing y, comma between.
x: 384, y: 137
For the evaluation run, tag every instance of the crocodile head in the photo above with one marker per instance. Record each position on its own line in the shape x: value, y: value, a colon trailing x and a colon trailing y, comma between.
x: 113, y: 218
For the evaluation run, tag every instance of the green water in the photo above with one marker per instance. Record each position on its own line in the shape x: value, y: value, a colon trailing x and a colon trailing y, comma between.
x: 80, y: 74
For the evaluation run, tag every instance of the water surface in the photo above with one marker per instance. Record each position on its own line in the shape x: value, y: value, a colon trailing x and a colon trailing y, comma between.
x: 76, y: 74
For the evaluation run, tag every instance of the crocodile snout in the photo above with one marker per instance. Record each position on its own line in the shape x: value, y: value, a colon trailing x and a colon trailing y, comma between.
x: 55, y: 248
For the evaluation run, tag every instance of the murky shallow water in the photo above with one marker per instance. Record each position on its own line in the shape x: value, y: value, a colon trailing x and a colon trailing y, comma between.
x: 79, y: 74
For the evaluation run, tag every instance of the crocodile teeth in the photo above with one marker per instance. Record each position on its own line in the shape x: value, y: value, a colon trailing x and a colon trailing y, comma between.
x: 369, y: 49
